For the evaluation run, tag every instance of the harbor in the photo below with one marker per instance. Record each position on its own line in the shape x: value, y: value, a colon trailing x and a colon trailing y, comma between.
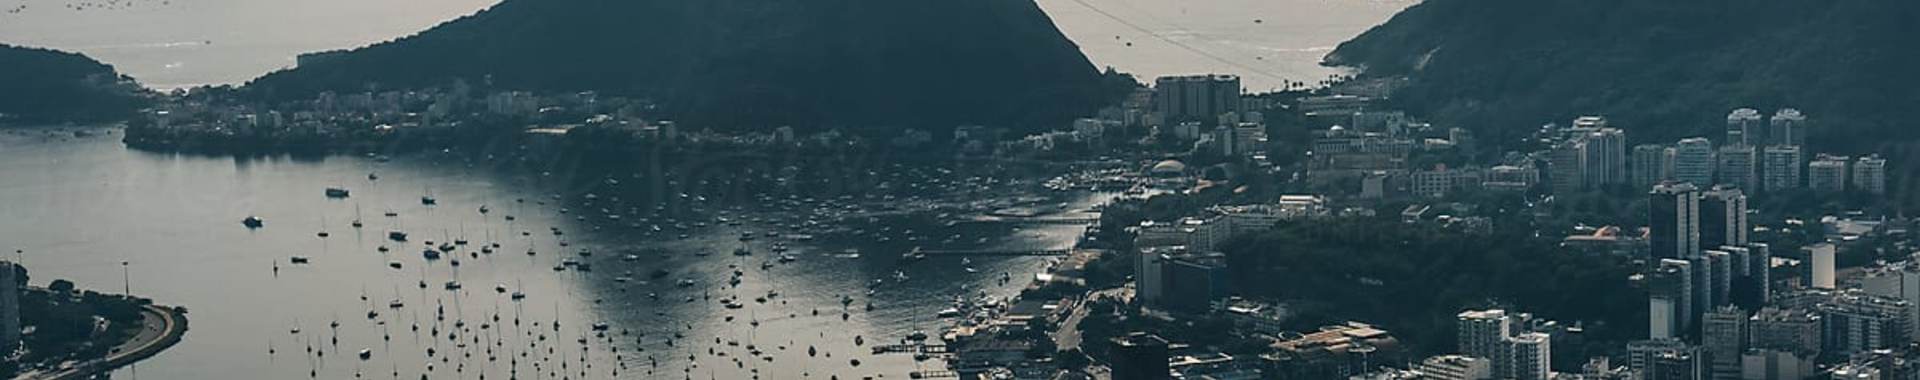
x: 321, y: 268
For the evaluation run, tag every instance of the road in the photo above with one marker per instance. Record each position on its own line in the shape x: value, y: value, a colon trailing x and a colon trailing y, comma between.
x: 159, y: 329
x: 1067, y: 334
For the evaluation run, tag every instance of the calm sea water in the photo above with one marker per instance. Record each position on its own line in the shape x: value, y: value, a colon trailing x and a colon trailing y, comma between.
x: 78, y: 207
x: 180, y: 43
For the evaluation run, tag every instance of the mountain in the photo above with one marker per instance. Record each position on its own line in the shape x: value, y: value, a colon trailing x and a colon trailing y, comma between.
x: 1663, y: 69
x: 47, y: 86
x: 857, y: 63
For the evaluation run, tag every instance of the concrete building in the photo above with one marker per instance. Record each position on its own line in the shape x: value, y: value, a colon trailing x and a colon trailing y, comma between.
x: 1455, y: 367
x: 1674, y: 221
x: 1565, y: 167
x: 1641, y: 353
x: 1194, y: 282
x: 1859, y: 322
x: 1723, y: 218
x: 1530, y: 357
x: 1723, y: 337
x: 1140, y: 356
x: 1497, y: 335
x: 1693, y: 161
x: 1745, y: 126
x: 1757, y: 289
x: 1896, y: 280
x: 1780, y: 167
x: 1241, y: 139
x: 1718, y: 281
x: 1441, y: 181
x: 1331, y: 352
x: 1670, y: 299
x: 1196, y: 97
x: 1652, y: 164
x: 1793, y: 330
x: 1511, y: 178
x: 1788, y: 127
x: 1827, y: 174
x: 1592, y: 157
x: 1819, y: 265
x: 1483, y: 333
x: 1682, y: 364
x: 1870, y: 174
x: 1606, y: 157
x: 1149, y: 269
x: 1775, y: 365
x: 1737, y: 166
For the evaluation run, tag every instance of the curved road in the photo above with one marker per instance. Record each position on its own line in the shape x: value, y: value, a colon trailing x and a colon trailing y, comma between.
x: 160, y: 328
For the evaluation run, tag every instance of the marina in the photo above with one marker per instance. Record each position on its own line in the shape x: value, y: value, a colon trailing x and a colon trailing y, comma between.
x: 792, y: 290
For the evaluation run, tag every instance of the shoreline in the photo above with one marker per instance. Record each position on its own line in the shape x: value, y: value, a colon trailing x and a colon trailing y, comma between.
x: 171, y: 328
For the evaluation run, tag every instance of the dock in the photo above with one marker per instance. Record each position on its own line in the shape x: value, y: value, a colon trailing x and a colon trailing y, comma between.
x: 995, y: 252
x: 910, y: 349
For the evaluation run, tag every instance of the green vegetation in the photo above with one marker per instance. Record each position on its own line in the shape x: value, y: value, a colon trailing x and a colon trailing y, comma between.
x: 1662, y: 69
x: 1413, y: 278
x: 65, y: 324
x: 47, y: 86
x: 730, y: 63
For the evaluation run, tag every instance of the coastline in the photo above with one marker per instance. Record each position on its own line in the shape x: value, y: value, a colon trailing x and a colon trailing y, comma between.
x: 162, y: 328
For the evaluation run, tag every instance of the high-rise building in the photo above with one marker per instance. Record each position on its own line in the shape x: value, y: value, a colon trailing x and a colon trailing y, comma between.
x: 1860, y: 322
x: 1670, y: 299
x: 1736, y: 166
x: 1455, y: 367
x: 1593, y: 156
x: 1149, y: 270
x: 1529, y: 357
x: 1744, y: 126
x: 1897, y: 280
x: 1196, y: 97
x: 1606, y: 157
x: 1780, y: 167
x: 1482, y: 333
x: 1723, y: 217
x: 1194, y: 282
x: 1827, y: 174
x: 1723, y: 335
x: 1788, y: 127
x: 1140, y: 356
x: 1819, y: 265
x: 1676, y: 365
x: 1566, y: 165
x: 1652, y: 164
x: 1748, y: 282
x: 1693, y: 161
x: 1493, y: 335
x: 1786, y: 329
x: 1674, y: 221
x: 1870, y: 174
x: 1641, y: 353
x: 1757, y: 288
x: 1718, y: 281
x: 1775, y: 365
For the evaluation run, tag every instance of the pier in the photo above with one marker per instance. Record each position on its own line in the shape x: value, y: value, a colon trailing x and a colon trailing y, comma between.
x: 910, y: 349
x: 995, y: 252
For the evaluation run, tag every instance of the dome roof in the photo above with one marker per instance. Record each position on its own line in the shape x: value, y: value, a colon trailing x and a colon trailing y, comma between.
x: 1170, y: 166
